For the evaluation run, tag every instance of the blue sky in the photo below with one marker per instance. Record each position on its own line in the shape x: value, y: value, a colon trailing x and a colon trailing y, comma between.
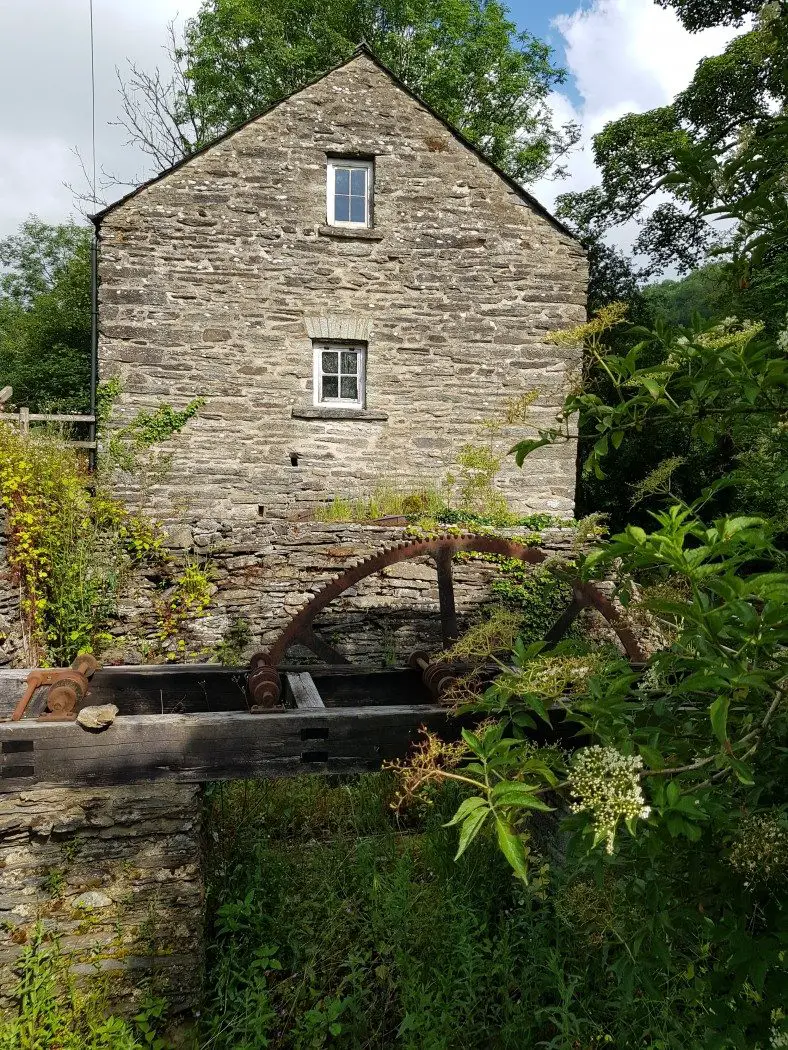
x: 537, y: 17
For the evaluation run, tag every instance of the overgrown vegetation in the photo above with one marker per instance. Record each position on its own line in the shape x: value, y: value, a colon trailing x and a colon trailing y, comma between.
x: 55, y: 1013
x: 335, y: 925
x: 72, y: 544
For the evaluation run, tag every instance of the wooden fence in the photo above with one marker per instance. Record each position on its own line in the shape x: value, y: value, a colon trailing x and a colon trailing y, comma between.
x: 23, y: 417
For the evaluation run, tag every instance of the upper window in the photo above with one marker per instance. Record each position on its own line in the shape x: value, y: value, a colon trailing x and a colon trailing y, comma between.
x: 339, y: 375
x: 349, y: 192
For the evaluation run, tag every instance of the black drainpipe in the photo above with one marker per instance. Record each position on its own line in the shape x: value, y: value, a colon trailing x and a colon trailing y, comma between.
x: 93, y: 340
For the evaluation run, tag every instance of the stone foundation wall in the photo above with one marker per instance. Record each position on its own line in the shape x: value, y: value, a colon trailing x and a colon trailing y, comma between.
x: 114, y: 874
x: 263, y: 574
x: 13, y: 651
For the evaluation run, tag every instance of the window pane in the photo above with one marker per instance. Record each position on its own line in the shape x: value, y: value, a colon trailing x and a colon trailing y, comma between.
x: 358, y: 182
x: 358, y: 209
x: 349, y: 387
x: 330, y: 361
x: 349, y: 362
x: 342, y: 180
x: 330, y: 387
x: 341, y: 208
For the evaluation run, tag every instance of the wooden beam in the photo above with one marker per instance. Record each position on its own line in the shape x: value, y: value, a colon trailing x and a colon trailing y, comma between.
x: 212, y: 746
x: 303, y: 690
x: 449, y: 629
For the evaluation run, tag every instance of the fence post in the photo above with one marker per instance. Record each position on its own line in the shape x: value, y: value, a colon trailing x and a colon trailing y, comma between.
x: 24, y: 420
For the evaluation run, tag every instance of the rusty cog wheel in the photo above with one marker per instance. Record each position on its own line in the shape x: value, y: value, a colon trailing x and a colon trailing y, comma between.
x: 263, y: 680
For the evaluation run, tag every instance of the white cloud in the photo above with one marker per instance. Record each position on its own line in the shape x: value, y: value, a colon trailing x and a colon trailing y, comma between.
x: 45, y: 95
x: 625, y: 56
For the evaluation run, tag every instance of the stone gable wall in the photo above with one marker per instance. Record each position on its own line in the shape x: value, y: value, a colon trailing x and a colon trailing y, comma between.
x: 214, y: 279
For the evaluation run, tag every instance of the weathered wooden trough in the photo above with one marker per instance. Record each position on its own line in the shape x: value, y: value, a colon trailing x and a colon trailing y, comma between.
x: 193, y: 723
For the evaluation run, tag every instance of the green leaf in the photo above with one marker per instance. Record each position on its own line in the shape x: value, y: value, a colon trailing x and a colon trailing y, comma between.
x: 651, y: 756
x: 473, y: 742
x: 525, y: 448
x: 513, y: 849
x: 466, y: 807
x: 718, y: 713
x: 509, y: 793
x: 742, y: 772
x: 652, y: 386
x: 470, y: 829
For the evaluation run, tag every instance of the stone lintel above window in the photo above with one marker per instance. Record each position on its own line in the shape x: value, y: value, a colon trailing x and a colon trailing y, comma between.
x: 339, y: 326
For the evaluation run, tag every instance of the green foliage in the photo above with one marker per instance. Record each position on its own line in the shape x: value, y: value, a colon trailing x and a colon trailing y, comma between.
x: 53, y: 1013
x: 384, y: 501
x: 67, y: 573
x: 717, y: 151
x: 235, y: 641
x: 704, y: 291
x: 72, y: 545
x: 128, y: 443
x: 535, y: 592
x: 465, y: 57
x: 324, y: 912
x: 186, y: 600
x: 45, y: 316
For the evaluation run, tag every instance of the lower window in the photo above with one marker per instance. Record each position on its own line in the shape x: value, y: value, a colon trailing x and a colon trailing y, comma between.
x: 339, y: 374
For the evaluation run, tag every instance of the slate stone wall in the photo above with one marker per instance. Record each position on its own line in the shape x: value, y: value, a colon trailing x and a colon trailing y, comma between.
x: 215, y: 279
x: 114, y: 874
x: 262, y: 573
x: 13, y: 650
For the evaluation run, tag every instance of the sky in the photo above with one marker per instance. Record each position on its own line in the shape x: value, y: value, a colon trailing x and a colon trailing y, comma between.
x: 621, y: 55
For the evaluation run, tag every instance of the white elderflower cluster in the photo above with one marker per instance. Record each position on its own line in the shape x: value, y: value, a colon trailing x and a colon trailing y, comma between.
x: 607, y: 785
x: 760, y: 852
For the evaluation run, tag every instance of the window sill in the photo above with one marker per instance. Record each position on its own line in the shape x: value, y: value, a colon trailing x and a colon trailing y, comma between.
x: 350, y: 233
x: 330, y: 412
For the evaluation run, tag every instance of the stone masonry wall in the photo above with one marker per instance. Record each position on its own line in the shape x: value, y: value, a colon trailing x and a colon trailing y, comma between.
x: 215, y: 279
x: 114, y: 874
x: 13, y: 650
x: 263, y: 573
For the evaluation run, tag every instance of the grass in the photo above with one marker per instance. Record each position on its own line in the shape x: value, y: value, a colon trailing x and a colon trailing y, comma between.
x: 428, y: 505
x: 333, y: 925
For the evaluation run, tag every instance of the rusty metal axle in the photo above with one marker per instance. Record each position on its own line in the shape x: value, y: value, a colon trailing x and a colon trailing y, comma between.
x: 67, y: 687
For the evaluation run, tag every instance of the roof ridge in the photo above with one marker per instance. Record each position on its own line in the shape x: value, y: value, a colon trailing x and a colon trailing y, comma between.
x: 362, y: 49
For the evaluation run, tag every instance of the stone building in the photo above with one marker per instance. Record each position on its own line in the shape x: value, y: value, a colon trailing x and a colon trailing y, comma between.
x: 352, y: 288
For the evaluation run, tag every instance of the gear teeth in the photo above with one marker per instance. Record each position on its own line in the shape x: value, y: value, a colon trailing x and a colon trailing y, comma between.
x: 380, y: 558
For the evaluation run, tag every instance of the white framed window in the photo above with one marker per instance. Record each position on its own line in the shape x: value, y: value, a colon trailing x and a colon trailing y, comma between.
x: 349, y: 192
x: 340, y: 374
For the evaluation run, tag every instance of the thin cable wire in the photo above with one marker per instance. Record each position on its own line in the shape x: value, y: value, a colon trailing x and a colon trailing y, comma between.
x: 93, y: 100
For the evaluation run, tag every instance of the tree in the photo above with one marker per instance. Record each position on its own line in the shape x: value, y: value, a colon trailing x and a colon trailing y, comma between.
x: 466, y: 58
x: 723, y: 123
x: 45, y: 316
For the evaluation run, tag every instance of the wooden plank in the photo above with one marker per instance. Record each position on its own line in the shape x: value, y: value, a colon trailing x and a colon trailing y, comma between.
x: 60, y: 417
x: 212, y: 746
x: 187, y: 688
x: 303, y: 690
